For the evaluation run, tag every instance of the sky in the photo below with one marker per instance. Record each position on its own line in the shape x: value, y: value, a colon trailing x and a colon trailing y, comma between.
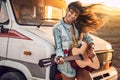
x: 111, y: 7
x: 109, y: 3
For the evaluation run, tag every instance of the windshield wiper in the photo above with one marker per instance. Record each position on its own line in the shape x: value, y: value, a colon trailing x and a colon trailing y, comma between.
x: 43, y: 20
x: 38, y: 26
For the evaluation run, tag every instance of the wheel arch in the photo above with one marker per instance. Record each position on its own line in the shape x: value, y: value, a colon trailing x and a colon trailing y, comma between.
x: 15, y: 66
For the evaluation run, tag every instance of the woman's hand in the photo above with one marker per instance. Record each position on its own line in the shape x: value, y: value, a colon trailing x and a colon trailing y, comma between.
x: 91, y: 53
x: 59, y: 60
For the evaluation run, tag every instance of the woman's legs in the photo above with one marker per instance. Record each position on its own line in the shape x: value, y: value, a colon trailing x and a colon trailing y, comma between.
x: 83, y: 74
x: 67, y: 78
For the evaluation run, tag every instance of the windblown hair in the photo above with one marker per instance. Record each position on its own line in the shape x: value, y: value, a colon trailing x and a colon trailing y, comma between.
x: 88, y: 19
x: 75, y: 6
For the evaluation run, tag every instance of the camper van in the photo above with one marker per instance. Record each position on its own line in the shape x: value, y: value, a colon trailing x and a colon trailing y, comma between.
x: 26, y: 37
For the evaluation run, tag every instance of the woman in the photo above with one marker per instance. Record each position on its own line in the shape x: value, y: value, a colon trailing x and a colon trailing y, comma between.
x: 74, y: 25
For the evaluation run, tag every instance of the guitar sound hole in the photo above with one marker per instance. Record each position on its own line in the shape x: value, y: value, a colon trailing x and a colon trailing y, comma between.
x: 81, y: 56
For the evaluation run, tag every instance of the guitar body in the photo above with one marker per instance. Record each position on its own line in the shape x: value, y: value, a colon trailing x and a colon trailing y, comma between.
x: 86, y: 63
x: 77, y: 66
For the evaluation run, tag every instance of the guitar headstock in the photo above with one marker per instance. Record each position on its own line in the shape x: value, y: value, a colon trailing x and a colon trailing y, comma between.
x: 46, y: 62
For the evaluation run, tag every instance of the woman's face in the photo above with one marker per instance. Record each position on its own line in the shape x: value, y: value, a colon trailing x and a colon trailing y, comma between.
x: 71, y: 16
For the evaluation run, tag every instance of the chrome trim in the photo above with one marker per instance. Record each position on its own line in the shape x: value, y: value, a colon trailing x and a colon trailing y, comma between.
x: 103, y: 51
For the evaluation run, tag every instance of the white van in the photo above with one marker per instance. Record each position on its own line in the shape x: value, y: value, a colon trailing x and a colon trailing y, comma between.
x: 26, y: 37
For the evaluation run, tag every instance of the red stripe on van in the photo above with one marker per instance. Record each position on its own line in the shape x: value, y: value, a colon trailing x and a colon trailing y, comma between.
x: 14, y: 34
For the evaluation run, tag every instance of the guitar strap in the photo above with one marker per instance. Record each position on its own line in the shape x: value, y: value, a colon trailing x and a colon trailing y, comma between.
x: 80, y: 38
x: 74, y: 39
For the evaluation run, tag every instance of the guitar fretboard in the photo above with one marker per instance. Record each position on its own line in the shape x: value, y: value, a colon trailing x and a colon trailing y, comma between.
x: 75, y: 57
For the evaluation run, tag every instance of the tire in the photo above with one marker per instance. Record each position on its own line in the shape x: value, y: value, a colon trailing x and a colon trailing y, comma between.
x: 12, y: 76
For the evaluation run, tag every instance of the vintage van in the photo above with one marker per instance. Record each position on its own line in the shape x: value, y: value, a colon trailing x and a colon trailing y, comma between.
x: 26, y: 37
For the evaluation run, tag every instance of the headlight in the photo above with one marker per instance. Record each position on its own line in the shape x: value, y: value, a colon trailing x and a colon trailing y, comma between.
x: 109, y: 56
x: 108, y: 60
x: 108, y: 46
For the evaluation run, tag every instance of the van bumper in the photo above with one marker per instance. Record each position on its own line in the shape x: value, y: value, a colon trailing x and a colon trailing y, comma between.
x: 108, y: 74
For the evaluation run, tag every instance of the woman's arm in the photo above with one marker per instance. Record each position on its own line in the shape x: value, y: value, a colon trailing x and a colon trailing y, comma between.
x: 58, y: 42
x: 91, y: 45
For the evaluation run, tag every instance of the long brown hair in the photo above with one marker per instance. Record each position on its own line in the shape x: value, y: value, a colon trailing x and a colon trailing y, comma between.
x: 88, y: 19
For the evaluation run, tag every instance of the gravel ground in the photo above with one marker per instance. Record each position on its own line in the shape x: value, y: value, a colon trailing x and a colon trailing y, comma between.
x: 111, y: 33
x: 116, y: 55
x: 116, y: 58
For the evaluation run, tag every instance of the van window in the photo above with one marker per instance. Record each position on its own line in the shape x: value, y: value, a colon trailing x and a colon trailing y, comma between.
x: 3, y: 13
x: 33, y: 12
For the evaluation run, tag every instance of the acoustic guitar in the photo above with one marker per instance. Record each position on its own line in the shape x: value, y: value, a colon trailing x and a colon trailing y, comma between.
x: 85, y: 61
x: 78, y: 56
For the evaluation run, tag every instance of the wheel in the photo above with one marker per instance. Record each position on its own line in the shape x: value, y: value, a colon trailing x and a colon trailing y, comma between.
x: 12, y: 76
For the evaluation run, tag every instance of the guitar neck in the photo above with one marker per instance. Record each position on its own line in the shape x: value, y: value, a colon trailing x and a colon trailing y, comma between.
x: 75, y: 57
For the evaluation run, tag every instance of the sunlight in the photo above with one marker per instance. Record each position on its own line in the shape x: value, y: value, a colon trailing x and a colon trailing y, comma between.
x: 110, y: 3
x: 49, y: 11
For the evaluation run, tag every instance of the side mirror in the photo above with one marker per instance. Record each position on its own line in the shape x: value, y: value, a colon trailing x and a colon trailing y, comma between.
x: 4, y: 30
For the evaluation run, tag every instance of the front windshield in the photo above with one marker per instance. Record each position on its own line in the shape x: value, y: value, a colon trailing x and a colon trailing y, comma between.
x: 33, y: 12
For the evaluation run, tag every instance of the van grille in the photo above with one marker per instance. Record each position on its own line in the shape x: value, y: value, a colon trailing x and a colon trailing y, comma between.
x: 101, y: 76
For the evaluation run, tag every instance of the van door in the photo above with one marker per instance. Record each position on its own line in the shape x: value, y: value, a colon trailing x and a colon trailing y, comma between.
x: 4, y: 25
